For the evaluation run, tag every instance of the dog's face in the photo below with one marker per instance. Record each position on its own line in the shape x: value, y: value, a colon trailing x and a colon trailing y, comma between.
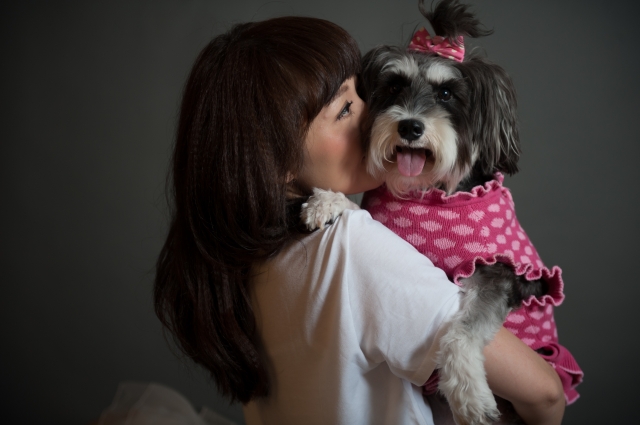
x: 432, y: 120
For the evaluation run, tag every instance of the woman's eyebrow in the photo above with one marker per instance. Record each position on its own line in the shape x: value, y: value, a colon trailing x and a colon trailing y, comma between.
x: 340, y: 92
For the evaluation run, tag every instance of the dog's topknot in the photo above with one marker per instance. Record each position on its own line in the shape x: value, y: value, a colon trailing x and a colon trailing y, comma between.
x: 451, y: 19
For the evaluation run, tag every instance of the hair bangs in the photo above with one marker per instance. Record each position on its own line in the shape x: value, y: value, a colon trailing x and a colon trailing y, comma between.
x: 310, y: 80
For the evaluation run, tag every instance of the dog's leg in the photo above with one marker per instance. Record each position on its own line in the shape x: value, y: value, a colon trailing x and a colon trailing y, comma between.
x: 488, y: 297
x: 484, y: 307
x: 440, y: 409
x: 442, y: 412
x: 323, y: 207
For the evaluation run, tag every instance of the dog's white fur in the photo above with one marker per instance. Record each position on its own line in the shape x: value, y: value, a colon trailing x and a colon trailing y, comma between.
x: 472, y: 130
x: 460, y: 359
x: 462, y: 376
x: 324, y: 207
x: 439, y: 137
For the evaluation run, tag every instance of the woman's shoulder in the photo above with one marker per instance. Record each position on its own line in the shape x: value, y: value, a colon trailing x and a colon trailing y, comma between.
x: 356, y: 231
x: 367, y: 244
x: 355, y: 238
x: 360, y: 222
x: 360, y: 249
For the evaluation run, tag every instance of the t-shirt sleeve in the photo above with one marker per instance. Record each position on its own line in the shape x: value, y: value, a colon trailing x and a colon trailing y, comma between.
x: 400, y: 302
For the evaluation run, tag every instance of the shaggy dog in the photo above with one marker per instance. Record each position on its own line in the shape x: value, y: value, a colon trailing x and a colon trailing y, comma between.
x: 443, y: 129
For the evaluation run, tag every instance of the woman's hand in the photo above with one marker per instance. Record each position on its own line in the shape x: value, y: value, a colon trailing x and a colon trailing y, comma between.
x: 518, y: 374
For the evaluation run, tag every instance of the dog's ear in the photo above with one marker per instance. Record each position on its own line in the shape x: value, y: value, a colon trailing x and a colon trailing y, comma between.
x: 450, y: 19
x: 368, y: 85
x: 372, y: 64
x: 493, y: 115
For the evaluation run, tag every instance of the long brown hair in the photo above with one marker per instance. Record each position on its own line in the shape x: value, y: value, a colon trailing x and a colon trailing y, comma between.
x: 246, y: 109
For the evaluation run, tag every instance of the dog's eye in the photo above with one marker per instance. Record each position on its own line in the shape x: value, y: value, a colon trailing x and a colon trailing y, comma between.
x: 444, y: 94
x: 395, y: 88
x: 396, y: 83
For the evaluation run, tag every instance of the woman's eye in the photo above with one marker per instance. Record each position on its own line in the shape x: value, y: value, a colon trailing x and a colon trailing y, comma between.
x: 345, y: 111
x: 444, y: 94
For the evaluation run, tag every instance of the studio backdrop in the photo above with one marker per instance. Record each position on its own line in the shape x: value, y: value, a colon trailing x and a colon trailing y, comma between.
x: 90, y: 94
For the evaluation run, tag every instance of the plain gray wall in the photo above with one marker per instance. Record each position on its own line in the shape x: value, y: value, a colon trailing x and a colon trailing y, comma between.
x: 90, y: 94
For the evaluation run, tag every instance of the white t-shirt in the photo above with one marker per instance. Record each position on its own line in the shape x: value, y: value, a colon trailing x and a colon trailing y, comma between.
x: 350, y: 318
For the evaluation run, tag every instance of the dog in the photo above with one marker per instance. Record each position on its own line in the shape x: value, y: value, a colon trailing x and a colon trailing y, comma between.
x: 443, y: 130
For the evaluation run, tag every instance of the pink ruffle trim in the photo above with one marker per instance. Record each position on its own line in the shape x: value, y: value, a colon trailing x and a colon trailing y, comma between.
x: 566, y: 367
x: 440, y: 197
x: 553, y: 277
x: 555, y: 354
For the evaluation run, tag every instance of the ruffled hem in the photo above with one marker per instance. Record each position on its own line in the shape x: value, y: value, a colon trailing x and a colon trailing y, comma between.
x: 565, y: 366
x: 440, y: 197
x: 553, y: 277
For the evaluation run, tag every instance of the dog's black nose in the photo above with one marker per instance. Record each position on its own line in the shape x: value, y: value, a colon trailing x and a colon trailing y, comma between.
x: 410, y: 130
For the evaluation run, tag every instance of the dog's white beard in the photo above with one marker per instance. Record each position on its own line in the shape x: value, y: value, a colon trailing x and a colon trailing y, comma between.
x: 439, y: 137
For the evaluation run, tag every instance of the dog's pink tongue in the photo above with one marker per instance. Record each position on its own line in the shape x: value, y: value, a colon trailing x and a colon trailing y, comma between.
x: 411, y: 161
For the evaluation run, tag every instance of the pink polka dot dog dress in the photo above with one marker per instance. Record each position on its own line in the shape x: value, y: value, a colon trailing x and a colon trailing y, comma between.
x: 459, y: 231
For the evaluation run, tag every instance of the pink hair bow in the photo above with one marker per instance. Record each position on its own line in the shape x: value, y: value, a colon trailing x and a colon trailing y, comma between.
x: 423, y: 42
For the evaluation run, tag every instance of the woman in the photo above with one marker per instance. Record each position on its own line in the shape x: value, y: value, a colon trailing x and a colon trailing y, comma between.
x: 328, y: 327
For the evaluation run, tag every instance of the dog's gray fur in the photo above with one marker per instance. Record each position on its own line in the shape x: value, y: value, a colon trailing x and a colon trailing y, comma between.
x: 464, y: 118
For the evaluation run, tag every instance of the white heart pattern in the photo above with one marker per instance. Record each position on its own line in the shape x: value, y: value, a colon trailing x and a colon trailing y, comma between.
x: 452, y: 261
x: 474, y: 247
x: 382, y: 218
x: 415, y: 239
x: 449, y: 215
x: 515, y: 318
x: 444, y: 243
x: 431, y: 226
x: 476, y: 215
x: 402, y: 222
x: 462, y: 230
x: 393, y: 206
x: 536, y: 314
x: 418, y: 210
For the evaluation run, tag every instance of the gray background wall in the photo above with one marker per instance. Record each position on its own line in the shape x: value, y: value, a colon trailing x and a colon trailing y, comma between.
x: 89, y: 101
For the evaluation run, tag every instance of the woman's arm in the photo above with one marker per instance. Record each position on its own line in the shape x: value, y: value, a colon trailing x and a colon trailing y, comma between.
x: 518, y: 374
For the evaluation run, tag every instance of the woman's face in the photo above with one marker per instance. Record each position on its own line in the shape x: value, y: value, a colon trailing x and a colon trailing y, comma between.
x: 334, y: 158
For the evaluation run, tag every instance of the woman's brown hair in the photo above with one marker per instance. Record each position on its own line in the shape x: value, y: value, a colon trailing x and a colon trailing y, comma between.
x: 246, y: 109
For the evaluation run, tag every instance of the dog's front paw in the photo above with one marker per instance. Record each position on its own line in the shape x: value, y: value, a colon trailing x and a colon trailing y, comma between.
x: 471, y: 404
x: 476, y: 412
x: 323, y: 208
x: 463, y: 381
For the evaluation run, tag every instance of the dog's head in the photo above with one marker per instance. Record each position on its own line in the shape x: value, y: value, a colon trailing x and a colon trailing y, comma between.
x: 433, y: 120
